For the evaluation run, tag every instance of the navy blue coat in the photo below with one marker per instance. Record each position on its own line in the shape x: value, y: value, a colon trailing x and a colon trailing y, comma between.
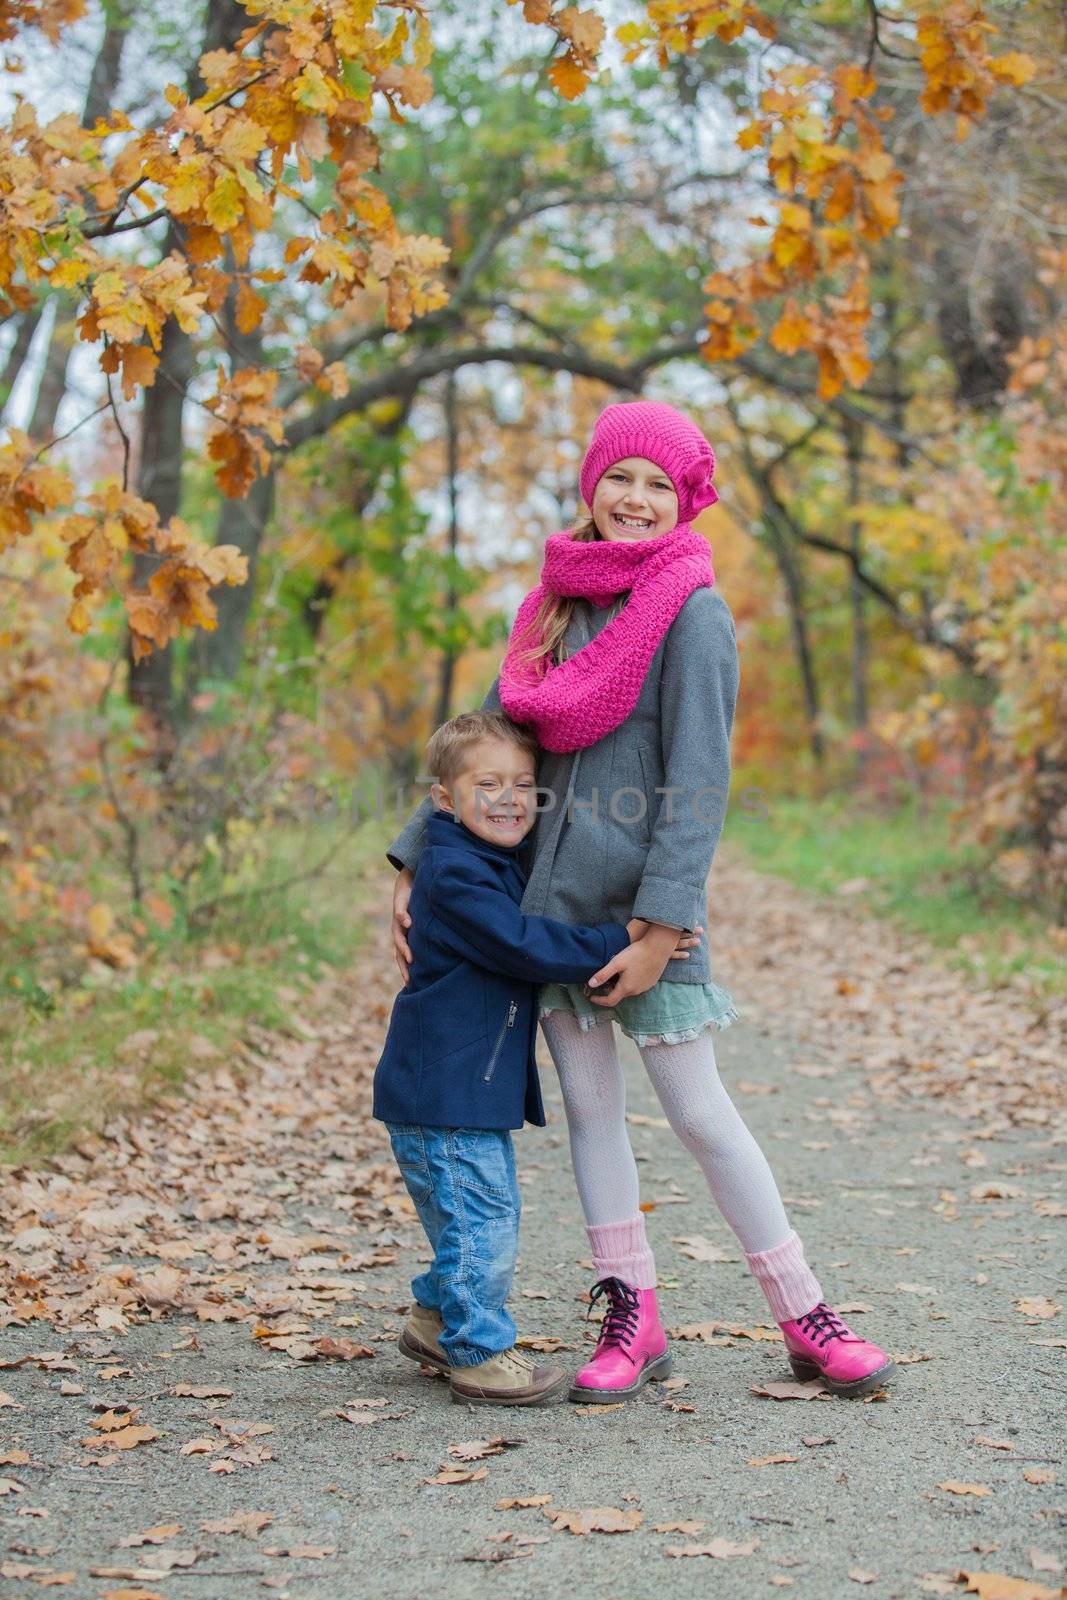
x: 460, y: 1051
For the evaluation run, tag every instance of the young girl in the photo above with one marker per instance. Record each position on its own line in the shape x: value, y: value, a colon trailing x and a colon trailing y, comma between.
x: 623, y: 661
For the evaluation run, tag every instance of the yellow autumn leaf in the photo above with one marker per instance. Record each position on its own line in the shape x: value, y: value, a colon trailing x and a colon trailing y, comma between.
x: 249, y: 308
x: 568, y: 76
x: 100, y: 920
x: 225, y: 202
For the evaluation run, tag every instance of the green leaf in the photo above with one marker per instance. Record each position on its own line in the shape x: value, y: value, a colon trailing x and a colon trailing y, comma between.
x: 357, y: 80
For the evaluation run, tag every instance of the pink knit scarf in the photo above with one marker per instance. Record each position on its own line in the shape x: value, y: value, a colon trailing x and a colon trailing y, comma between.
x: 576, y: 703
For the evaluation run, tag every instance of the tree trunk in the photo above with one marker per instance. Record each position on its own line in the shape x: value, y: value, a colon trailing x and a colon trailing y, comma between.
x: 53, y: 384
x: 20, y: 349
x: 241, y: 522
x: 150, y: 681
x: 853, y: 433
x: 103, y: 82
x: 793, y: 580
x: 451, y: 598
x: 159, y: 481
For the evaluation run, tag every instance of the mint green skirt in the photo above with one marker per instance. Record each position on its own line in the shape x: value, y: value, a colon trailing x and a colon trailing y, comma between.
x: 668, y: 1013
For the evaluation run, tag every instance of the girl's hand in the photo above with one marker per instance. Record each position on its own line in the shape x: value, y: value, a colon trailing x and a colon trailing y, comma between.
x: 401, y: 920
x: 639, y: 966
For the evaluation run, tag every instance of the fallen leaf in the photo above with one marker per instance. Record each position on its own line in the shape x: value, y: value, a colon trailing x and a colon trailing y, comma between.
x: 706, y: 1332
x: 112, y: 1420
x: 201, y: 1391
x: 770, y: 1461
x: 951, y: 1486
x: 858, y: 1575
x: 156, y: 1535
x: 597, y: 1410
x: 700, y: 1249
x: 478, y: 1449
x: 813, y: 1441
x: 1041, y: 1562
x: 448, y: 1475
x: 594, y: 1519
x: 787, y: 1390
x: 1039, y: 1475
x: 999, y: 1586
x: 343, y: 1349
x: 993, y: 1444
x: 688, y: 1528
x: 524, y: 1503
x: 1037, y: 1306
x: 500, y: 1552
x: 124, y: 1438
x: 7, y: 1400
x: 719, y: 1549
x: 246, y: 1523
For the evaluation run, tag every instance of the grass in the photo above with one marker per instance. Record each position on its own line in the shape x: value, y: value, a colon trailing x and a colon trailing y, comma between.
x: 914, y: 875
x: 79, y: 1052
x: 102, y: 1042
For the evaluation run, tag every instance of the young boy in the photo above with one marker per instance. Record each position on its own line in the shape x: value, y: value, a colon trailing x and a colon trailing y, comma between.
x: 458, y: 1069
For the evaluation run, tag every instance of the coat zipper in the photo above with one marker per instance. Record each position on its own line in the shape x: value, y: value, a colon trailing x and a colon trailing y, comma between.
x: 509, y: 1022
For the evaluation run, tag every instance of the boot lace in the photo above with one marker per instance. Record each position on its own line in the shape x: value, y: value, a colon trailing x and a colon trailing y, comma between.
x: 821, y: 1325
x: 621, y: 1316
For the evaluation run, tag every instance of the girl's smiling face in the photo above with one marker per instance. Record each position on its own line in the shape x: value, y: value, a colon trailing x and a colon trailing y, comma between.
x: 634, y: 499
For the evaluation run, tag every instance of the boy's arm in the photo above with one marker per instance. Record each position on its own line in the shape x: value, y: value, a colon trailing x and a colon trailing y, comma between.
x: 485, y: 925
x: 410, y: 842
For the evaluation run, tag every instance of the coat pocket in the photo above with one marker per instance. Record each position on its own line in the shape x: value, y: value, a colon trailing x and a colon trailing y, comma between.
x: 506, y: 1025
x: 630, y: 804
x: 453, y: 1014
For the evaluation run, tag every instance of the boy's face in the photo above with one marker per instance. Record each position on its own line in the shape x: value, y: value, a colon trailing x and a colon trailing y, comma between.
x: 634, y: 499
x: 493, y: 794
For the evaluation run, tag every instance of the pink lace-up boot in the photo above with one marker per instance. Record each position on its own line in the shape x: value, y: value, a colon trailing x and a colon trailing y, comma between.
x: 820, y: 1345
x: 631, y: 1349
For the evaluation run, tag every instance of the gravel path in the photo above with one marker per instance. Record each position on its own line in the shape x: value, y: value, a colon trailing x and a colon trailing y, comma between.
x: 889, y: 1198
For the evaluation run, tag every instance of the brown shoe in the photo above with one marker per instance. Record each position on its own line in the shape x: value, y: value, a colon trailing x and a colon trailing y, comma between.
x: 507, y: 1379
x: 420, y: 1339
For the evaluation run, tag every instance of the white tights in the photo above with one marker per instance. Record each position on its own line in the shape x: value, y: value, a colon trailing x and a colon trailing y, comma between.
x: 686, y: 1080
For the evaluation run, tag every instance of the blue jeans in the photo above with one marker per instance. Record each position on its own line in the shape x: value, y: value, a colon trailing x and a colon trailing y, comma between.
x: 463, y: 1183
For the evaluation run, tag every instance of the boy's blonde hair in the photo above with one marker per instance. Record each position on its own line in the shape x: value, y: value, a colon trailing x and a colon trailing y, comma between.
x: 449, y: 745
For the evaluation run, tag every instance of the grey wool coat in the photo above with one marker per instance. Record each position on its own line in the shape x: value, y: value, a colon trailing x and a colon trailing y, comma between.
x: 628, y: 826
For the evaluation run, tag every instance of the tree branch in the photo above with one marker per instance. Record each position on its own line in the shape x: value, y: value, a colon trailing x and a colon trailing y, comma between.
x: 409, y: 375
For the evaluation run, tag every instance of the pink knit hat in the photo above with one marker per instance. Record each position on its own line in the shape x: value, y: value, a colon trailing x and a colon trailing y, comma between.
x: 660, y: 434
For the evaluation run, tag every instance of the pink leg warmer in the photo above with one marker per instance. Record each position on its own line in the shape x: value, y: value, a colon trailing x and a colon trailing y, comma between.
x: 620, y: 1250
x: 786, y: 1279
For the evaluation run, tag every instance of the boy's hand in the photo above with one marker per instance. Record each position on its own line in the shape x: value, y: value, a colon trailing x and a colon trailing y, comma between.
x: 637, y: 929
x: 401, y: 920
x: 641, y: 965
